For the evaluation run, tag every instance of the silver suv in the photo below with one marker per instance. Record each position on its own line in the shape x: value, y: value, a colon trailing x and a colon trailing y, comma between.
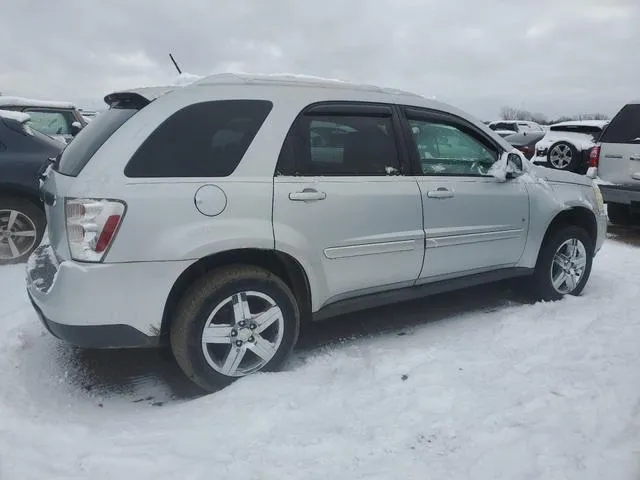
x: 616, y: 161
x: 220, y: 216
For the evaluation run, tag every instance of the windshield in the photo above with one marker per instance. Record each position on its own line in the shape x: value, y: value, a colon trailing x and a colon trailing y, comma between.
x: 90, y: 139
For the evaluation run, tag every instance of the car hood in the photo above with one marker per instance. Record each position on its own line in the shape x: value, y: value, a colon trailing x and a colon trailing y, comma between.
x: 559, y: 176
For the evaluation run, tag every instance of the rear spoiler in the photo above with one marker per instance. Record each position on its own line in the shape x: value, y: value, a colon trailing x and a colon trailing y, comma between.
x: 136, y: 98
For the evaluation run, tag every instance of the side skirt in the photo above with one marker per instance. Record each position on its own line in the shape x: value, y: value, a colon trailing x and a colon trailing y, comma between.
x: 372, y: 300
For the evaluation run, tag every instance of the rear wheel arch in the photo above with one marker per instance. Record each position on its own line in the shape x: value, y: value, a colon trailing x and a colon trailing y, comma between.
x: 281, y: 264
x: 12, y: 191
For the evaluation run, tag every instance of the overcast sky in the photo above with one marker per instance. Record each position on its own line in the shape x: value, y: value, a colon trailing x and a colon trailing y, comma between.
x: 553, y: 56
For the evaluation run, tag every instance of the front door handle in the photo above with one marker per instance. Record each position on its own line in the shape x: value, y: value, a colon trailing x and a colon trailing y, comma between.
x: 441, y: 192
x: 635, y: 158
x: 307, y: 195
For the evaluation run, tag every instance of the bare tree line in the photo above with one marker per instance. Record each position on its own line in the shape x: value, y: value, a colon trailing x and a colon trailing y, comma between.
x: 511, y: 113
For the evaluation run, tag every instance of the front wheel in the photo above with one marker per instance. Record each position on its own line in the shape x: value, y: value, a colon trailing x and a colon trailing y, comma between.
x: 564, y: 264
x: 234, y: 322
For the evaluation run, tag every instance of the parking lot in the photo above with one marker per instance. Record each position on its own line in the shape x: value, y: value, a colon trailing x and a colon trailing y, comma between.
x: 473, y: 381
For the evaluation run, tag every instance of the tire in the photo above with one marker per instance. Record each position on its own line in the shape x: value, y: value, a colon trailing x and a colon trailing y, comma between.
x: 564, y: 149
x: 542, y: 284
x: 25, y: 217
x: 620, y: 214
x: 220, y: 291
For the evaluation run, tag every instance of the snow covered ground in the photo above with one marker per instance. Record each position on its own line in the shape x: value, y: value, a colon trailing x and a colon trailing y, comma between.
x: 472, y: 385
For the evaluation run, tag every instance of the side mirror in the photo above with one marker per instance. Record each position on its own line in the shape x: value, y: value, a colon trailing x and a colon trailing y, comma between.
x: 75, y: 128
x: 514, y: 165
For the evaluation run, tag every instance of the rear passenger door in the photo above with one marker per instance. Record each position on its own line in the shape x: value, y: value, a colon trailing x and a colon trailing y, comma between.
x: 342, y: 203
x: 620, y: 148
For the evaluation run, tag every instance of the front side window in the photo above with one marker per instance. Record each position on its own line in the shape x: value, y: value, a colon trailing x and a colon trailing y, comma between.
x: 50, y: 122
x: 205, y: 139
x: 445, y: 149
x: 343, y: 145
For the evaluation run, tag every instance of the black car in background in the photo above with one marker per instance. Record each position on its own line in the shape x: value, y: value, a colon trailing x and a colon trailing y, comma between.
x: 24, y: 153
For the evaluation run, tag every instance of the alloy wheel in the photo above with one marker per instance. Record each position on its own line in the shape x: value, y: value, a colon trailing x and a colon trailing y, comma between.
x: 18, y: 234
x: 242, y: 333
x: 568, y: 266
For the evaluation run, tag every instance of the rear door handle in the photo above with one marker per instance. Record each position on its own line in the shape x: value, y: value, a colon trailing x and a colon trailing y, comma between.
x: 635, y: 158
x: 441, y: 192
x: 307, y: 195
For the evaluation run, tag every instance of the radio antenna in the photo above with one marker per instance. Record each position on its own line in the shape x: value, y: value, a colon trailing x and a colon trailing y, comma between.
x: 175, y: 63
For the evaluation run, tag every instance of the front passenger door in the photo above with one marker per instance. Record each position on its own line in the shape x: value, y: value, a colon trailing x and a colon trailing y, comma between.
x: 473, y: 222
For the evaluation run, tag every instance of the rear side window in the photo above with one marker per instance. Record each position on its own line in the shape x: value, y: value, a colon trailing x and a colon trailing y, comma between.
x: 78, y: 153
x: 341, y: 145
x: 202, y: 140
x: 625, y: 126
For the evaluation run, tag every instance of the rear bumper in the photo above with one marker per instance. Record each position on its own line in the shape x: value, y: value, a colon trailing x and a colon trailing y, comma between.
x: 97, y: 336
x: 101, y: 305
x: 620, y: 194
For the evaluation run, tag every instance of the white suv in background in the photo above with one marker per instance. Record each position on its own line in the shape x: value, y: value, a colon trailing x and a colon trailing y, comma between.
x: 616, y: 161
x: 219, y: 216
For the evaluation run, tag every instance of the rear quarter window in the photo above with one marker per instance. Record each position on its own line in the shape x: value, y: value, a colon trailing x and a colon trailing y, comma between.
x: 78, y: 153
x: 205, y: 139
x: 625, y: 126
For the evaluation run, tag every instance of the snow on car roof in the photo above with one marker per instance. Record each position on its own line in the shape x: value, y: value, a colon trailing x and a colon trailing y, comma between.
x: 294, y: 79
x: 6, y: 101
x: 581, y: 123
x: 18, y: 116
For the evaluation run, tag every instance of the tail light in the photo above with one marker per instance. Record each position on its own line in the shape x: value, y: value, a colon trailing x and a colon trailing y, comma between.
x: 594, y: 156
x: 527, y: 150
x: 92, y: 225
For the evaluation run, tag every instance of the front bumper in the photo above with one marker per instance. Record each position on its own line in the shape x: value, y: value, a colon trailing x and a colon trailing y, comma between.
x: 113, y: 305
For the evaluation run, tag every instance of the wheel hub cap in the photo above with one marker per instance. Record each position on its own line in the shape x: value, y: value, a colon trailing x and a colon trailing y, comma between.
x: 242, y: 334
x: 561, y: 156
x: 17, y: 234
x: 568, y: 266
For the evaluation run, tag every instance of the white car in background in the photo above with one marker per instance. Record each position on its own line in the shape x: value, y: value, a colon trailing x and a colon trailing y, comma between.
x: 567, y: 145
x: 505, y: 128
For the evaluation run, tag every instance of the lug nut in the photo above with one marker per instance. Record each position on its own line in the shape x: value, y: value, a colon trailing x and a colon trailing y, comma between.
x: 253, y: 326
x: 238, y: 343
x: 242, y: 323
x: 251, y: 339
x: 234, y: 333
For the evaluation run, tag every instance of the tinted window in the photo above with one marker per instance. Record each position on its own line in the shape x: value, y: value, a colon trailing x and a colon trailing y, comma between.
x: 202, y: 140
x: 625, y: 126
x: 345, y: 145
x: 78, y: 153
x: 504, y: 126
x: 446, y: 149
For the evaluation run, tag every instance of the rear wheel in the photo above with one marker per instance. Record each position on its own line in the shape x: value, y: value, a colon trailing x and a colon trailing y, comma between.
x: 22, y: 226
x: 563, y: 156
x: 232, y: 323
x: 564, y: 264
